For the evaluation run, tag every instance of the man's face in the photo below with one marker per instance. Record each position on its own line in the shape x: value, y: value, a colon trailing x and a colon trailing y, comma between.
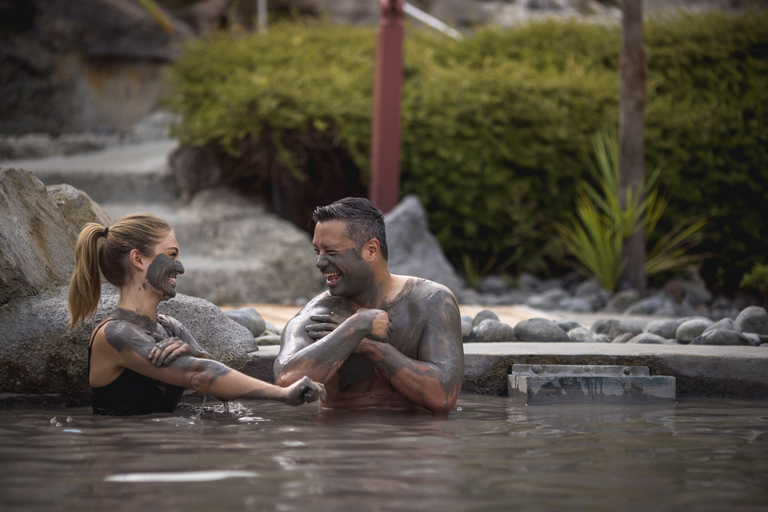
x: 162, y: 272
x: 346, y: 273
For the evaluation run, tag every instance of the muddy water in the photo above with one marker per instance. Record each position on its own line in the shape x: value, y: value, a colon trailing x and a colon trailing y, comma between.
x: 488, y: 454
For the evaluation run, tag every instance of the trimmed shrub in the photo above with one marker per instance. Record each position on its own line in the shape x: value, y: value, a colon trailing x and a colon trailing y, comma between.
x: 493, y: 127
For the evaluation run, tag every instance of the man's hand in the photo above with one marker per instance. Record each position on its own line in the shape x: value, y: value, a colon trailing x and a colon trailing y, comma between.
x: 380, y: 327
x: 166, y: 351
x: 325, y: 324
x: 303, y: 391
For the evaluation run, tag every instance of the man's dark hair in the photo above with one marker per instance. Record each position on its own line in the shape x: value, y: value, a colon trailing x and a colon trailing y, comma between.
x: 363, y: 220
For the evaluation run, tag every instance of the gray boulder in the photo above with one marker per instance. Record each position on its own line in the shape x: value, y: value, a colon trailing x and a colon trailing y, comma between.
x: 568, y: 325
x: 576, y: 305
x: 539, y: 329
x: 623, y: 337
x: 484, y: 315
x: 724, y: 324
x: 40, y: 356
x: 692, y: 328
x: 645, y: 306
x: 753, y: 319
x: 586, y: 288
x: 490, y: 330
x: 604, y: 325
x: 248, y: 318
x: 492, y: 284
x: 80, y: 37
x: 78, y: 208
x: 651, y: 339
x: 268, y: 338
x: 548, y: 299
x: 234, y: 252
x: 37, y: 248
x: 584, y: 335
x: 614, y: 327
x: 664, y: 328
x: 722, y: 338
x: 413, y: 249
x: 466, y: 330
x: 623, y: 299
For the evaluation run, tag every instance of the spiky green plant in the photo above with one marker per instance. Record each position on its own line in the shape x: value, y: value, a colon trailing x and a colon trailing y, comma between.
x: 595, y: 234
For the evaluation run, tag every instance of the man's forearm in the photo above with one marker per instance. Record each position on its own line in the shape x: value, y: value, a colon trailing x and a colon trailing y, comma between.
x: 321, y: 360
x: 422, y: 383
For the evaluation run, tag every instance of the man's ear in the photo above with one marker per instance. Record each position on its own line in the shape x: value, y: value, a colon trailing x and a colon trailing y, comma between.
x: 371, y: 249
x: 136, y: 259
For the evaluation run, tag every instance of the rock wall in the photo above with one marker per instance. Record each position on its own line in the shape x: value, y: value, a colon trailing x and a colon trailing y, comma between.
x: 90, y: 65
x: 37, y: 241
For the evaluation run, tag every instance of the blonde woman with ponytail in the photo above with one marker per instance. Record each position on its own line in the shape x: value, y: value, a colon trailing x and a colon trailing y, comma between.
x: 140, y: 362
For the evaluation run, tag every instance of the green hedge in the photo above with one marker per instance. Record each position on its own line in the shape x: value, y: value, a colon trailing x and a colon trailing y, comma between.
x: 494, y: 125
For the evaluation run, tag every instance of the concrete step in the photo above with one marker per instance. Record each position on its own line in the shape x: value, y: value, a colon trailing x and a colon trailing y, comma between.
x: 120, y: 174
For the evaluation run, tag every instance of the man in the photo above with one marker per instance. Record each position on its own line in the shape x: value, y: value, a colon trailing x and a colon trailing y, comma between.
x: 374, y: 339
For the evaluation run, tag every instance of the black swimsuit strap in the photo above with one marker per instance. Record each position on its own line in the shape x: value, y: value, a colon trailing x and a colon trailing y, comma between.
x: 90, y: 343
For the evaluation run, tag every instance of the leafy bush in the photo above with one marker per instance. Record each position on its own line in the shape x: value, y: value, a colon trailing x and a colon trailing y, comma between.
x: 492, y: 126
x: 596, y: 233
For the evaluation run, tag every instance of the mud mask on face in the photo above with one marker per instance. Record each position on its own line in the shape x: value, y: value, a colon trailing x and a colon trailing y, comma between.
x: 160, y: 272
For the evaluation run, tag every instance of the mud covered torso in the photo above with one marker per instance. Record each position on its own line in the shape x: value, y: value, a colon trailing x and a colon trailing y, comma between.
x: 132, y: 393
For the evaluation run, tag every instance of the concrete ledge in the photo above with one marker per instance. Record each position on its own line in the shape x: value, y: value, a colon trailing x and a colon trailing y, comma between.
x: 699, y: 370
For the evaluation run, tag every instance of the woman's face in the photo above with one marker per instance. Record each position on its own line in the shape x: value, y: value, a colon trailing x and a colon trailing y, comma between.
x: 162, y: 271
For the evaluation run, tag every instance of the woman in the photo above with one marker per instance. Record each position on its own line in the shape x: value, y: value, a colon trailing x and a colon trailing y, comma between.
x: 139, y: 362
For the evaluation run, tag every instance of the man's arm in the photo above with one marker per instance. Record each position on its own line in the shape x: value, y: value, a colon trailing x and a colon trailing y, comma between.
x: 300, y: 355
x: 206, y: 376
x: 434, y: 380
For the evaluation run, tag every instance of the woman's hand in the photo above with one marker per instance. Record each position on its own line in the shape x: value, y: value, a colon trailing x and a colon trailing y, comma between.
x: 166, y: 351
x: 303, y: 391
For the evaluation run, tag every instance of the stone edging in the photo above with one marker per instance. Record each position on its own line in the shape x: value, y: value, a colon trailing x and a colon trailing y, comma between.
x: 699, y: 370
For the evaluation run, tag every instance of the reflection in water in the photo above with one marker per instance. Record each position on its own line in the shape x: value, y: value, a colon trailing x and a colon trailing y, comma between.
x: 488, y: 454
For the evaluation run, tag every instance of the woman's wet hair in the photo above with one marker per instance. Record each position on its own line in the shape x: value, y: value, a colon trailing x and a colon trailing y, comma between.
x: 363, y: 221
x: 104, y: 251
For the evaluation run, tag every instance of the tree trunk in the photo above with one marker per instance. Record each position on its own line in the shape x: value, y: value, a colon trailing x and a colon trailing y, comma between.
x: 632, y: 132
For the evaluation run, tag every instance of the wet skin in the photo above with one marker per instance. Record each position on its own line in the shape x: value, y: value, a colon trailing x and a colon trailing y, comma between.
x: 405, y: 353
x: 134, y: 338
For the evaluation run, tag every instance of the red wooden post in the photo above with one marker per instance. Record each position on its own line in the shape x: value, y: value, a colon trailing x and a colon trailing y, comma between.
x: 385, y: 143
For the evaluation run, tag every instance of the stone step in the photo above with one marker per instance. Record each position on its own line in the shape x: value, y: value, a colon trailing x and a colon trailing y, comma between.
x: 119, y: 174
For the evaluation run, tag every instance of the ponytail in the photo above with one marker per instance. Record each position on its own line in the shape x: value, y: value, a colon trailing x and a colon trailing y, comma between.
x: 85, y: 286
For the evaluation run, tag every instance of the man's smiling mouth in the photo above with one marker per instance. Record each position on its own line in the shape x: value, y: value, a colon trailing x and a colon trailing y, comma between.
x: 331, y: 278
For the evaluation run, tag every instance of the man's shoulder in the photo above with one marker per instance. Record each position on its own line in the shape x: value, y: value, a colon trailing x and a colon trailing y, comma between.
x: 420, y: 288
x: 326, y: 303
x: 426, y: 295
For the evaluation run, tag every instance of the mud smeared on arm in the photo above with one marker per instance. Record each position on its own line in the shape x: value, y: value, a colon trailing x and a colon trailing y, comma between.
x: 424, y: 359
x: 319, y: 359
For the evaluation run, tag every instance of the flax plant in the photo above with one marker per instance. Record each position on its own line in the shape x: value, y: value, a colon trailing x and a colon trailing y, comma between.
x: 595, y: 234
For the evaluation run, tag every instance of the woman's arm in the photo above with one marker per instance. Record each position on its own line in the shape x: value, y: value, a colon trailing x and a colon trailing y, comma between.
x: 133, y: 346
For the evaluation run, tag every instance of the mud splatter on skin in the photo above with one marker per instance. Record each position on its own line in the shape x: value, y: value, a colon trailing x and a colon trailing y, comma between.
x: 357, y: 279
x: 160, y: 271
x: 138, y: 333
x: 426, y: 338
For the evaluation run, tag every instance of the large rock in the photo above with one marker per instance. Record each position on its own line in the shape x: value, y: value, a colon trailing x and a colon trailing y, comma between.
x: 539, y: 329
x: 42, y: 360
x: 235, y: 252
x: 490, y: 330
x: 413, y: 250
x: 90, y: 65
x: 753, y: 319
x: 37, y: 249
x: 78, y: 209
